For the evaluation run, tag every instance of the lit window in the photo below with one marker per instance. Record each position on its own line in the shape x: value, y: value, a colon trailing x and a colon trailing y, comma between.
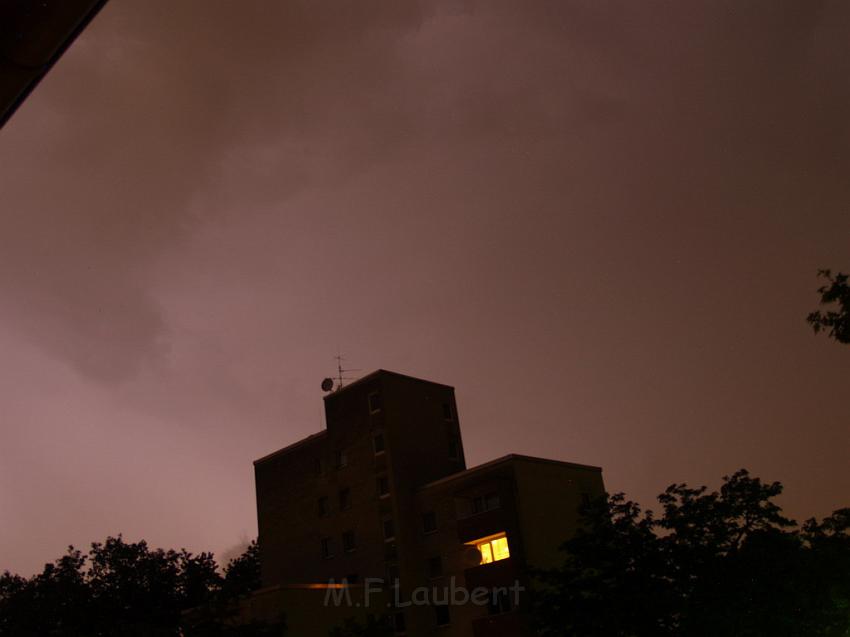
x: 493, y: 548
x: 500, y: 549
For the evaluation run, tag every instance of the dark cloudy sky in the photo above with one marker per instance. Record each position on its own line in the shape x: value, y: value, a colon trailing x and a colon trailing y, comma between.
x: 600, y: 221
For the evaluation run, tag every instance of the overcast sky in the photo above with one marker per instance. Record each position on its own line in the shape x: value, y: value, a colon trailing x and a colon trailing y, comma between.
x: 599, y: 221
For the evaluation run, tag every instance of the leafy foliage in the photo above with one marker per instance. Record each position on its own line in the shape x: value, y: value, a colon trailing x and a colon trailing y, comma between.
x: 836, y: 322
x: 128, y: 589
x: 715, y: 564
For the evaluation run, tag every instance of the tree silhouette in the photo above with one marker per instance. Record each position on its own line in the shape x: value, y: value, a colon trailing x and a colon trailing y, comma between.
x: 715, y: 564
x: 242, y: 574
x: 127, y: 589
x: 836, y: 322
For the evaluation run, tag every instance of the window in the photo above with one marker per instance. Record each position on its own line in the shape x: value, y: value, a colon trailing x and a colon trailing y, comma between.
x: 392, y: 575
x: 492, y: 548
x: 383, y: 485
x: 441, y: 611
x: 389, y: 530
x: 398, y: 623
x: 435, y: 566
x: 487, y: 502
x: 374, y: 402
x: 324, y: 509
x: 349, y: 543
x: 318, y: 466
x: 500, y: 601
x: 454, y: 447
x: 429, y: 522
x: 351, y: 578
x: 344, y: 499
x: 340, y: 459
x: 447, y: 411
x: 327, y: 548
x: 378, y: 443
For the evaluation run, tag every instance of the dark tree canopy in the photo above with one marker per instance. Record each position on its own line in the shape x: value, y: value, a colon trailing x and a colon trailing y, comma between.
x: 835, y: 321
x: 127, y: 589
x: 715, y: 564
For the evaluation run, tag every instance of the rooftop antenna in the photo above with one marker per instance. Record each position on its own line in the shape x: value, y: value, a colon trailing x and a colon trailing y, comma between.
x: 328, y: 383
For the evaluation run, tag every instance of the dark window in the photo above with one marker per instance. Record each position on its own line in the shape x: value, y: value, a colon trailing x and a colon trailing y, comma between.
x: 318, y: 467
x: 352, y: 578
x: 374, y: 402
x: 349, y: 543
x: 327, y: 547
x: 585, y: 499
x: 389, y: 529
x: 454, y: 447
x: 398, y: 623
x: 429, y: 522
x: 441, y: 611
x: 500, y: 601
x: 344, y: 499
x: 390, y: 550
x: 378, y: 442
x: 485, y: 503
x: 383, y: 484
x: 340, y: 459
x: 392, y: 575
x: 324, y: 509
x: 435, y: 566
x: 447, y: 411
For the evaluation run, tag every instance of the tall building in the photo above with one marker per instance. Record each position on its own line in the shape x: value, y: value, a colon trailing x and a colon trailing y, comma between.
x: 33, y: 36
x: 382, y: 500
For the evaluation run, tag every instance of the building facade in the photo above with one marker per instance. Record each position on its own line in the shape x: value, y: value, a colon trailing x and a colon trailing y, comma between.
x: 379, y: 516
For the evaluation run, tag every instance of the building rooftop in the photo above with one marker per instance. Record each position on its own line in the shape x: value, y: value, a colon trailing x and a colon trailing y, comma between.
x: 382, y: 372
x: 511, y: 457
x: 304, y: 441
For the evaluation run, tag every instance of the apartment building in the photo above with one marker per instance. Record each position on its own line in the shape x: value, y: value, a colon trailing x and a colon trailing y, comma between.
x: 381, y: 506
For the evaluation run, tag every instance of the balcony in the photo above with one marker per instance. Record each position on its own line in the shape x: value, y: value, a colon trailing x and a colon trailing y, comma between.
x: 502, y: 573
x: 483, y: 524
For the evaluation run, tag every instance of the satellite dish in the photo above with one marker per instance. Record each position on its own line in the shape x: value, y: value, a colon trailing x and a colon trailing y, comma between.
x: 328, y: 384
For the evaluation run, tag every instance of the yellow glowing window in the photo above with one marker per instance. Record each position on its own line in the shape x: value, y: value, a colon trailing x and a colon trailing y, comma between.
x: 492, y: 548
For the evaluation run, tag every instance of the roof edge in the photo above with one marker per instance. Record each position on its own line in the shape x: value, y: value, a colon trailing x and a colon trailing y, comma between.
x: 504, y: 460
x: 379, y: 372
x: 292, y: 447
